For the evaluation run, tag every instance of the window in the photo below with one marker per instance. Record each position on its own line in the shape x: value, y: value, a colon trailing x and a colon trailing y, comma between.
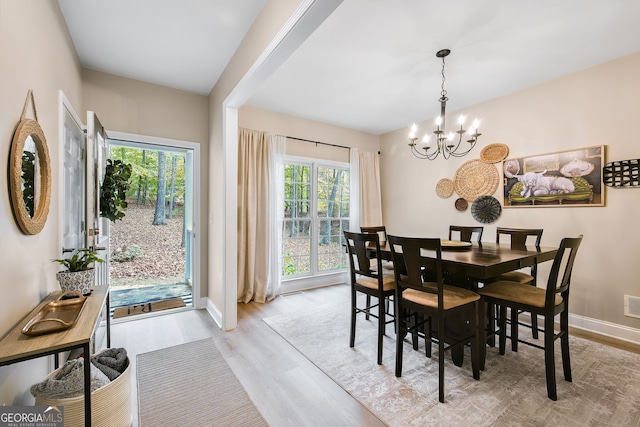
x: 316, y: 200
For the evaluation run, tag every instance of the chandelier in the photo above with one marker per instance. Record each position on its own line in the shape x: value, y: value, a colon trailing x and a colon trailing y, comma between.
x: 449, y: 144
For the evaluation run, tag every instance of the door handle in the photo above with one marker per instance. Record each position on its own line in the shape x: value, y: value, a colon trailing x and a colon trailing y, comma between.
x: 65, y: 250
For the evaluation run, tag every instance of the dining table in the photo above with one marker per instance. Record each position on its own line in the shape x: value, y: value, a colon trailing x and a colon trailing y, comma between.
x: 479, y: 263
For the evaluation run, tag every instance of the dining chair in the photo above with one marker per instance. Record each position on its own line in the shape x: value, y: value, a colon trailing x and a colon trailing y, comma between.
x: 548, y: 303
x: 432, y: 302
x: 372, y: 281
x: 465, y: 233
x: 381, y: 230
x: 518, y: 238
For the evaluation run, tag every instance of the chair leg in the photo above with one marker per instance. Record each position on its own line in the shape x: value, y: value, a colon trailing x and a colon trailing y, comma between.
x: 503, y: 329
x: 400, y: 334
x: 564, y: 344
x: 381, y: 326
x: 514, y: 329
x: 491, y: 325
x: 534, y: 326
x: 441, y: 330
x: 549, y: 357
x: 413, y: 324
x: 428, y: 337
x: 352, y: 333
x: 482, y: 338
x: 366, y: 316
x: 477, y: 325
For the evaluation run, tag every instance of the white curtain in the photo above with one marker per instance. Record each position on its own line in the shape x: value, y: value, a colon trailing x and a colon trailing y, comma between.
x: 260, y: 211
x: 354, y: 189
x: 278, y: 144
x: 365, y: 188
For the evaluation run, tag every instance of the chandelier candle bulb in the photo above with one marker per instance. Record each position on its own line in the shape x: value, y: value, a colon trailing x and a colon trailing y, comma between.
x: 414, y: 129
x: 426, y: 141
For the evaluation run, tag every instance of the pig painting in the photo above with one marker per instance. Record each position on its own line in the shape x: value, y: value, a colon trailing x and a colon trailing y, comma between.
x: 536, y: 184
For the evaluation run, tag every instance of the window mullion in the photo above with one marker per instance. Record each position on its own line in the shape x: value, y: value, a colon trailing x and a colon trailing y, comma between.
x: 315, y: 220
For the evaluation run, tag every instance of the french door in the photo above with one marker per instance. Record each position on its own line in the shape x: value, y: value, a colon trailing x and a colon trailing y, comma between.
x: 84, y: 160
x: 316, y: 214
x: 98, y: 233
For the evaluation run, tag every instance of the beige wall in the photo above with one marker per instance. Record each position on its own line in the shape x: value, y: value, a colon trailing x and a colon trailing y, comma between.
x: 282, y: 124
x: 600, y: 105
x: 131, y: 106
x: 37, y: 54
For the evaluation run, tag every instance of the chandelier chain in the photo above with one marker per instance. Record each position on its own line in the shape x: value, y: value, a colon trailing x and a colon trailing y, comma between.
x: 443, y: 92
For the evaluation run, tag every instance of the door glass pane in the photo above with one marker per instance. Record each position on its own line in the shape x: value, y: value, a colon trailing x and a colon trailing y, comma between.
x: 296, y: 232
x: 312, y: 230
x: 296, y: 247
x: 333, y: 199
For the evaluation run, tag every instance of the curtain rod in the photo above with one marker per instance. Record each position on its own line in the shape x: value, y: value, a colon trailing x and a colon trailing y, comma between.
x: 318, y: 142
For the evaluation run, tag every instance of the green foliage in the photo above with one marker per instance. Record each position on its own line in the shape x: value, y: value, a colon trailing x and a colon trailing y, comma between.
x: 113, y: 193
x: 28, y: 181
x: 288, y: 266
x: 144, y: 175
x: 129, y: 253
x: 80, y: 261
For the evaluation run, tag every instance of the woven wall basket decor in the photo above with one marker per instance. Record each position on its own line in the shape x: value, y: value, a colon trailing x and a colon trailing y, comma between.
x: 486, y: 209
x: 476, y: 178
x: 444, y: 188
x: 494, y: 153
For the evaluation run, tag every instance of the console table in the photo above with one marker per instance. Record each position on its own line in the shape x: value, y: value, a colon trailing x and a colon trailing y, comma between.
x: 17, y: 347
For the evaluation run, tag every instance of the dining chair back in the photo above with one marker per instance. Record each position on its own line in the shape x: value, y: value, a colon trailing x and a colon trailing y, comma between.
x: 422, y: 308
x: 548, y: 303
x: 369, y: 278
x: 519, y: 237
x: 466, y: 233
x: 380, y: 229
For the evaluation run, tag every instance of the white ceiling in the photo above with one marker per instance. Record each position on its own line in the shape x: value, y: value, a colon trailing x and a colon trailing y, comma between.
x: 371, y: 65
x: 183, y: 44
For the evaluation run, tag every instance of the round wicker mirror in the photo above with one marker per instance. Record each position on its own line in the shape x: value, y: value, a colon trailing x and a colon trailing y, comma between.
x: 30, y: 177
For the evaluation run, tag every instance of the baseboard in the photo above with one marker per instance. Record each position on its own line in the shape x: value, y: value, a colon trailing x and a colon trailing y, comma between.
x: 213, y: 312
x: 607, y: 329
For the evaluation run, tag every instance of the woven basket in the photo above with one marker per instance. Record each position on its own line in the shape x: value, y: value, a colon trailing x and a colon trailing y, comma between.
x: 444, y: 188
x: 476, y: 178
x: 110, y: 405
x: 494, y: 153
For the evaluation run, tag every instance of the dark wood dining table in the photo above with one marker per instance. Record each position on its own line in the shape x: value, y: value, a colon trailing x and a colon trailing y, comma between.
x: 483, y: 261
x: 480, y: 262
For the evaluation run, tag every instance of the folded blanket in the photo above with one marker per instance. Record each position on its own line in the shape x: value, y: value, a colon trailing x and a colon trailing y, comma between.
x: 69, y: 381
x: 111, y: 361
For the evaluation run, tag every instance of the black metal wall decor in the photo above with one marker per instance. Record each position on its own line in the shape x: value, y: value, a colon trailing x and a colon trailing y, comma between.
x: 623, y: 173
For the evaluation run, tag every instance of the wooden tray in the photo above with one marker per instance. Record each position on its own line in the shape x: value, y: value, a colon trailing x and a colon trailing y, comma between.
x: 57, y: 315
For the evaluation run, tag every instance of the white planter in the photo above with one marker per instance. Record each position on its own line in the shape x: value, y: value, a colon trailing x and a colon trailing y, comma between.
x: 76, y: 281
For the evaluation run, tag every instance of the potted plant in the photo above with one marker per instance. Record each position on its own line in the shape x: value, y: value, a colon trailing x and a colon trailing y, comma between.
x: 79, y: 275
x: 113, y: 192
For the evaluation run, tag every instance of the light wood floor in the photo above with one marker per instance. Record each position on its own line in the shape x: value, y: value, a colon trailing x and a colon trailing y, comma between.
x: 284, y: 385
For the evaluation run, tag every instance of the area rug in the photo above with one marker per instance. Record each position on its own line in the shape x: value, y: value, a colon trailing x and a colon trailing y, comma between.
x: 191, y: 385
x: 149, y: 307
x: 511, y: 390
